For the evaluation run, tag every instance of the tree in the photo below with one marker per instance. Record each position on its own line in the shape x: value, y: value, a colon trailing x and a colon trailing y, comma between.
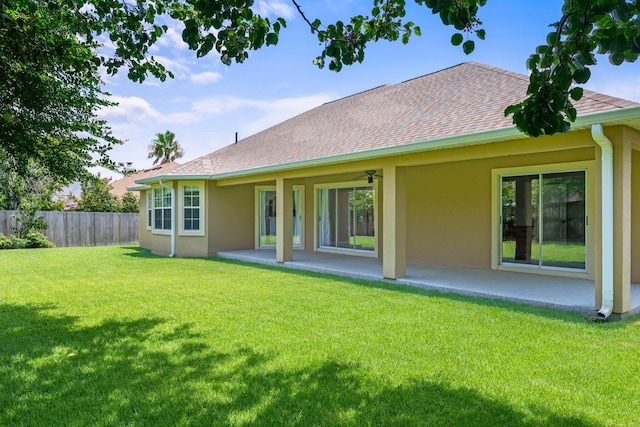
x: 50, y: 52
x: 165, y: 148
x: 49, y: 90
x: 36, y: 188
x: 96, y: 197
x: 129, y: 203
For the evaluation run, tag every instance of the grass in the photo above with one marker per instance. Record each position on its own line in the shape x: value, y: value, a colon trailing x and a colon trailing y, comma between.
x: 116, y: 336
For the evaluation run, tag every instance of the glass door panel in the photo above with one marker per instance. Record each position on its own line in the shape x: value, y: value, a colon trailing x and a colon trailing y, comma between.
x: 520, y: 219
x: 346, y: 218
x: 363, y: 219
x: 544, y: 220
x: 563, y: 220
x: 267, y: 217
x: 297, y: 218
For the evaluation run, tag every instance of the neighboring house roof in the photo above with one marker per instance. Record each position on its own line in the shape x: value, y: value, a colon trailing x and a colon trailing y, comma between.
x: 122, y: 185
x: 466, y: 99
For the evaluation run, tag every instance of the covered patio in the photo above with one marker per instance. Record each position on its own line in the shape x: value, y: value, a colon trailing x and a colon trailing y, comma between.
x: 561, y: 293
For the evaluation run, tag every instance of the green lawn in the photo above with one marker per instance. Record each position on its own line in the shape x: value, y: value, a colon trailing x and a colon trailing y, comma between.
x: 115, y: 336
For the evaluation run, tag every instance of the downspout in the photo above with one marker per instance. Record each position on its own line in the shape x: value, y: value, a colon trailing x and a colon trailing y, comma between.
x: 607, y: 219
x: 173, y: 225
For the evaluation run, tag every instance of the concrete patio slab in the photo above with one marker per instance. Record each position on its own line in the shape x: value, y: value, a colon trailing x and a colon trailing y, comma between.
x: 570, y: 294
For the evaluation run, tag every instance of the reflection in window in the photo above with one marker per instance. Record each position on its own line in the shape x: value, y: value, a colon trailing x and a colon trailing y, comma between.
x: 544, y: 220
x: 347, y: 218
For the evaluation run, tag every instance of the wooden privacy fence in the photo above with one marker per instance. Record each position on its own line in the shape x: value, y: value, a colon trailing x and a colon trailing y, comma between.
x: 68, y: 228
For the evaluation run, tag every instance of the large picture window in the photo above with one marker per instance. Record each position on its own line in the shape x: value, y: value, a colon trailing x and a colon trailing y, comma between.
x: 266, y: 202
x: 162, y: 208
x: 543, y: 220
x: 347, y: 218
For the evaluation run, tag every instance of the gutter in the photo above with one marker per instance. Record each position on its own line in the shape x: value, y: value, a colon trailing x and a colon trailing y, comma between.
x: 173, y: 223
x: 606, y: 148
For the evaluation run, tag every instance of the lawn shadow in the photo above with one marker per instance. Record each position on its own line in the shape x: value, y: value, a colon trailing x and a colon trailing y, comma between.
x: 55, y: 371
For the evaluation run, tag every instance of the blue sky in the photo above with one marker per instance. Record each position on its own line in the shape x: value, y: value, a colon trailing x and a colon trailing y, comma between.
x: 207, y: 102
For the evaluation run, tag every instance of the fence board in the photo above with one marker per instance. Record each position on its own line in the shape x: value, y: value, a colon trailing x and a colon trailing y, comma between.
x: 68, y: 228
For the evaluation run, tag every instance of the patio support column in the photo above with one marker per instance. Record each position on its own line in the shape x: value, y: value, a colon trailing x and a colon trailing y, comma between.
x: 394, y: 217
x: 621, y: 224
x: 284, y: 220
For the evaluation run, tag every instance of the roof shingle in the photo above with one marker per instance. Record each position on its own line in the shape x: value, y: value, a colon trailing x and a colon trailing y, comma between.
x: 461, y: 100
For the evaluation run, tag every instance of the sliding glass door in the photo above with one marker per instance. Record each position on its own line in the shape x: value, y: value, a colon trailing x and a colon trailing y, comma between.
x: 544, y: 220
x: 266, y: 201
x: 347, y: 218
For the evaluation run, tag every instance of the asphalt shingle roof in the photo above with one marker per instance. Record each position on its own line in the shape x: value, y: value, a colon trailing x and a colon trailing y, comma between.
x: 464, y: 99
x: 122, y: 185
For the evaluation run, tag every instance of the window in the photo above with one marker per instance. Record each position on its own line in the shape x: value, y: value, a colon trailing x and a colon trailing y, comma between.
x: 162, y: 208
x: 266, y: 227
x: 149, y: 210
x: 543, y: 219
x: 191, y: 208
x: 346, y: 218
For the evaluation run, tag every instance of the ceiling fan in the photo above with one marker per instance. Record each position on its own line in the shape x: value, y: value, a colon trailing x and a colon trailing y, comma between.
x: 369, y: 174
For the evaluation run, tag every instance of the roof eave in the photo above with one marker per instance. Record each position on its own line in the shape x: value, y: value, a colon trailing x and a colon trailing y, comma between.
x: 619, y: 116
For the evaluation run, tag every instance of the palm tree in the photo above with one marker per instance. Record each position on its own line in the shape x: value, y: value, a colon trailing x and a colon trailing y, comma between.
x: 165, y: 148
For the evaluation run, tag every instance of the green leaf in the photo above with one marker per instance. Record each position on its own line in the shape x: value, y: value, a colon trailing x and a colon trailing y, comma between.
x: 582, y: 75
x: 576, y: 93
x: 481, y: 34
x: 552, y: 38
x: 457, y: 39
x: 272, y: 39
x: 468, y: 46
x: 572, y: 114
x: 564, y: 81
x: 532, y: 62
x: 417, y: 31
x: 616, y: 58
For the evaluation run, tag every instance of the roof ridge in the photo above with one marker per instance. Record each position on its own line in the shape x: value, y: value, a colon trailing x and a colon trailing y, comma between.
x: 432, y: 73
x: 358, y: 93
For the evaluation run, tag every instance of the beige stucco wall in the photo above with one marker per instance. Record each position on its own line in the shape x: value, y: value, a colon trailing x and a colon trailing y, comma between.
x: 635, y: 216
x: 449, y: 207
x: 230, y: 215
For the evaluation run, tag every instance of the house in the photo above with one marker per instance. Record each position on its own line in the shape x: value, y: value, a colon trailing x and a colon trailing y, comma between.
x: 426, y: 170
x: 121, y: 186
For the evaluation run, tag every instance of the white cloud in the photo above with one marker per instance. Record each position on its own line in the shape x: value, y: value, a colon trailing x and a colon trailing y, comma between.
x: 172, y: 39
x: 202, y: 126
x: 273, y: 8
x: 129, y: 109
x: 179, y: 69
x: 205, y: 78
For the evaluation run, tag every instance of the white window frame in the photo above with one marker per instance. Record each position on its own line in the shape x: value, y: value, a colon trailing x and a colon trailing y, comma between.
x: 149, y: 209
x: 182, y: 207
x: 496, y: 211
x: 171, y: 207
x: 316, y: 206
x: 258, y: 208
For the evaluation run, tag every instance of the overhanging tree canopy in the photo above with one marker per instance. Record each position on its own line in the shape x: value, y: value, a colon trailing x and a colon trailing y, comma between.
x: 50, y: 56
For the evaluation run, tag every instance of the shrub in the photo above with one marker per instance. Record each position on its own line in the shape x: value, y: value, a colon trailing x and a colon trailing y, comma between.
x: 12, y: 242
x: 34, y: 239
